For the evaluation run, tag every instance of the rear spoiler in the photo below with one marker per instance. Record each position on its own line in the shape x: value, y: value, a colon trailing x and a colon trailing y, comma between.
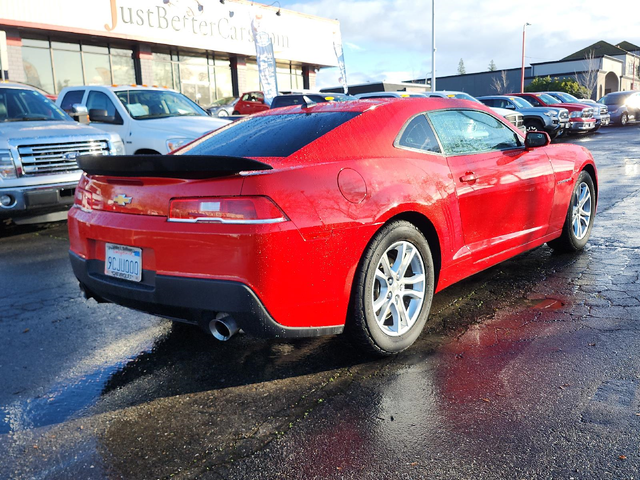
x: 172, y: 166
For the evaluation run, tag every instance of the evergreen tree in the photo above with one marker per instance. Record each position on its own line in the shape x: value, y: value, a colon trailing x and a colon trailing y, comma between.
x: 492, y: 66
x: 461, y: 69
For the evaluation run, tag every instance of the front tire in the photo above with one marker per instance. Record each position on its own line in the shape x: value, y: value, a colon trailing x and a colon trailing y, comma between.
x: 624, y: 119
x: 579, y: 221
x: 393, y: 289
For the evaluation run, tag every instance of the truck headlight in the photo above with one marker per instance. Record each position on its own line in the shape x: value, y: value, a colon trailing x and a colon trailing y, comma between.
x: 175, y: 143
x: 576, y: 114
x: 117, y: 147
x: 7, y: 167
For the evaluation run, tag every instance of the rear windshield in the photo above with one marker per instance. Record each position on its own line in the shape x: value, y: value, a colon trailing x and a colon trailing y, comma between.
x: 288, y: 100
x: 268, y: 136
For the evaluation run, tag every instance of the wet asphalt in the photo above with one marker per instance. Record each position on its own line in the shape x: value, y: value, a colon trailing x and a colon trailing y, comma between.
x: 527, y: 370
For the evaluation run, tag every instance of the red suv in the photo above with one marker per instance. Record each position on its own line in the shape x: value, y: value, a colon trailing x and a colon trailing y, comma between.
x: 581, y: 117
x: 250, y: 102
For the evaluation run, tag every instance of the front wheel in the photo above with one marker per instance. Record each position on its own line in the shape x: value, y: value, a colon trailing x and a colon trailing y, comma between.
x: 624, y: 119
x: 392, y: 290
x: 579, y: 221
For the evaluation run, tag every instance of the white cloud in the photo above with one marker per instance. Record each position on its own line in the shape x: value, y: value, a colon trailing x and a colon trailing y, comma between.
x: 398, y: 32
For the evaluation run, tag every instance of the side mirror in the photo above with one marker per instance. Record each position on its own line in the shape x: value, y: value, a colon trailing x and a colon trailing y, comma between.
x: 509, y: 106
x: 536, y: 139
x: 100, y: 115
x: 79, y: 113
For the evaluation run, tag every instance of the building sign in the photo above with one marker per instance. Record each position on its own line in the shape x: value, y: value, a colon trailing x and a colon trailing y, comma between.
x: 222, y: 27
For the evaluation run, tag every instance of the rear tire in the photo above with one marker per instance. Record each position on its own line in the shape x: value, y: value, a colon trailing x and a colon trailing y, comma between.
x: 392, y: 291
x: 579, y: 221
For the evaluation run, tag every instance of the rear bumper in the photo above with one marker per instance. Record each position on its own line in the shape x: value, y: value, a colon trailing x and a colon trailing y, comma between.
x: 194, y: 300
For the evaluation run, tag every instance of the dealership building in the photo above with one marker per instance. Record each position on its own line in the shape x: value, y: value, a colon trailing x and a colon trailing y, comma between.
x: 205, y: 48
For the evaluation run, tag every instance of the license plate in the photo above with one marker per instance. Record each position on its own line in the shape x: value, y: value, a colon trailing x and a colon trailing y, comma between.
x: 123, y: 262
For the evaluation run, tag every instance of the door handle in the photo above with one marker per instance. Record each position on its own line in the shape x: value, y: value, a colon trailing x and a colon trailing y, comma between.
x: 469, y: 177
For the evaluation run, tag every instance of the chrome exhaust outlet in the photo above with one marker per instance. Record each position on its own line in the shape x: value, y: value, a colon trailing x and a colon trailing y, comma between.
x: 223, y: 327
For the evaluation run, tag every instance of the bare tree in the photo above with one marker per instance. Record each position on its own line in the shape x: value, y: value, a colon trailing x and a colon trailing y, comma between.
x: 588, y: 78
x: 500, y: 84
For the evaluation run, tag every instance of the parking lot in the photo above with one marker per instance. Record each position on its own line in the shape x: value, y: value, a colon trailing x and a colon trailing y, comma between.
x: 527, y: 370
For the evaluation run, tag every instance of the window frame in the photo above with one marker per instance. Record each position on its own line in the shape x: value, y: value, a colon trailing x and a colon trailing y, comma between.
x: 396, y: 142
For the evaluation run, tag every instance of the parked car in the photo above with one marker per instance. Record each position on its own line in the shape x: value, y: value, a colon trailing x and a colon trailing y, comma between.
x: 39, y: 144
x: 250, y: 103
x: 580, y: 115
x: 222, y: 107
x: 299, y: 99
x: 548, y: 119
x: 516, y: 118
x: 600, y: 112
x: 150, y: 120
x: 624, y: 107
x: 290, y: 225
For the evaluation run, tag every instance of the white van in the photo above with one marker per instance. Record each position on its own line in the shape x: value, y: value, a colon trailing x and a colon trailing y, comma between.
x: 150, y: 120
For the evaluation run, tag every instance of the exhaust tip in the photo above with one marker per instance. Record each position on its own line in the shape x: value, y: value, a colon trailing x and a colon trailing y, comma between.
x: 223, y: 327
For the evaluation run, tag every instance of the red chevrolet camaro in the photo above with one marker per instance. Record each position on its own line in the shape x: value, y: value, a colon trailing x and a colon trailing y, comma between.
x: 319, y: 219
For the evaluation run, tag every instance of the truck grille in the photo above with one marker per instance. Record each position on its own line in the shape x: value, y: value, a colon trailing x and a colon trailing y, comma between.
x: 58, y: 157
x: 516, y: 119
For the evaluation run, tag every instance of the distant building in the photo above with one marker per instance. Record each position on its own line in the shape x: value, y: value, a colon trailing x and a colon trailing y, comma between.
x: 613, y: 68
x: 203, y: 49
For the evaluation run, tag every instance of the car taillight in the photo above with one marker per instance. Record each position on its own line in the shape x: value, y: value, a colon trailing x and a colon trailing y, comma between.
x: 83, y: 200
x: 240, y: 210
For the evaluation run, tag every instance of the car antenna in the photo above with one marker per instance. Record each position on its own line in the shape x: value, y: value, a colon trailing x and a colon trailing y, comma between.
x: 307, y: 102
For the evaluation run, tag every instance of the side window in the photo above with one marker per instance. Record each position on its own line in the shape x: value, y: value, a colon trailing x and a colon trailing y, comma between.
x: 259, y: 98
x: 70, y: 99
x: 533, y: 101
x: 417, y: 134
x: 469, y: 131
x: 246, y: 97
x: 100, y: 101
x: 489, y: 102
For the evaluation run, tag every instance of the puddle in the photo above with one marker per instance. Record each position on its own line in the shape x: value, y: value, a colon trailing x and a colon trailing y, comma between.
x: 65, y: 399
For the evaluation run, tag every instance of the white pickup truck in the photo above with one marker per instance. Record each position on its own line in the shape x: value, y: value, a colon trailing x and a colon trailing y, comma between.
x: 39, y: 144
x: 150, y: 120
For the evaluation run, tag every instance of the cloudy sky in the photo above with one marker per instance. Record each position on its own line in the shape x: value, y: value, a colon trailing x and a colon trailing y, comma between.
x: 391, y: 39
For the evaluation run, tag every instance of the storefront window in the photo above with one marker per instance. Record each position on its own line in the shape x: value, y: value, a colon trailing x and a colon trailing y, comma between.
x: 283, y: 74
x: 37, y: 68
x: 252, y: 79
x: 67, y: 68
x: 221, y: 73
x: 194, y: 79
x: 75, y: 64
x: 97, y: 69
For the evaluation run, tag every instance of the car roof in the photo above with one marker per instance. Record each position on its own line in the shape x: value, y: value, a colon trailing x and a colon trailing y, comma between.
x: 6, y: 84
x: 120, y: 88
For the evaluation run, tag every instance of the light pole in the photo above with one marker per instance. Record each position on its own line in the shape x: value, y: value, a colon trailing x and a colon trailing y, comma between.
x: 524, y: 30
x: 433, y: 45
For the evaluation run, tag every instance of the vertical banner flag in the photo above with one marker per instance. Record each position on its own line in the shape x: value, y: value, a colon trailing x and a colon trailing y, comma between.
x: 265, y: 59
x: 337, y: 47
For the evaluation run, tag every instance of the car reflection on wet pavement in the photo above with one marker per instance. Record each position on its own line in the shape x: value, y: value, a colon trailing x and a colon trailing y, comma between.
x: 529, y: 370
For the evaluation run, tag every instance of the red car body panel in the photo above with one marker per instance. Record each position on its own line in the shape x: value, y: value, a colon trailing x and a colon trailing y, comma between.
x: 337, y: 192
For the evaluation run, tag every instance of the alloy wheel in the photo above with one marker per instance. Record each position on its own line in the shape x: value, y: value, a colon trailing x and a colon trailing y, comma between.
x: 581, y: 208
x: 398, y: 288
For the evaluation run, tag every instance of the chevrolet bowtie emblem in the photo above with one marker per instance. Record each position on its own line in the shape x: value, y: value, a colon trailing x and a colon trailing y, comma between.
x: 122, y: 200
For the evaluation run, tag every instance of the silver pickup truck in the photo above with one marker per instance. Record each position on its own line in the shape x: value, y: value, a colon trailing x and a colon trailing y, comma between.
x: 39, y: 144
